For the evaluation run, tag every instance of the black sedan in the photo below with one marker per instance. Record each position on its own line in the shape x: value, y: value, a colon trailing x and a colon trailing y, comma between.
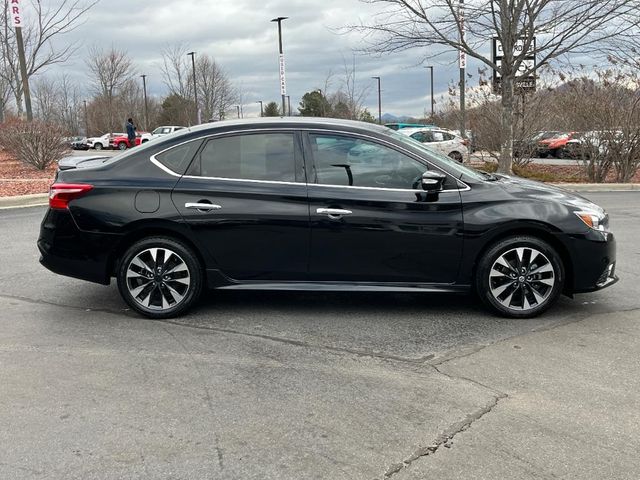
x: 316, y: 204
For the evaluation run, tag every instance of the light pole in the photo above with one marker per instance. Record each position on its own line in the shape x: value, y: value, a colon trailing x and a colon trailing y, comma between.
x: 463, y: 66
x: 261, y: 108
x: 195, y: 85
x: 379, y: 100
x: 238, y: 108
x: 430, y: 67
x: 283, y: 84
x: 86, y: 119
x: 289, y: 104
x: 146, y: 104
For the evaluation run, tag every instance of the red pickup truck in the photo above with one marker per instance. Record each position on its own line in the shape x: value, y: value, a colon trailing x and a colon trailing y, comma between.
x: 122, y: 142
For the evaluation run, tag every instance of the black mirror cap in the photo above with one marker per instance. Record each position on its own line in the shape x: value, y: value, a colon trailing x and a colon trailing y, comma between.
x: 433, y: 181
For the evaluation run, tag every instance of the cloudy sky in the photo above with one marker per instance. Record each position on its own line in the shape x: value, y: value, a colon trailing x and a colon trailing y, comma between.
x: 239, y: 35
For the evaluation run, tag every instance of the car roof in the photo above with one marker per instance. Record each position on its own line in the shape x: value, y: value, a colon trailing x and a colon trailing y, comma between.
x: 283, y: 122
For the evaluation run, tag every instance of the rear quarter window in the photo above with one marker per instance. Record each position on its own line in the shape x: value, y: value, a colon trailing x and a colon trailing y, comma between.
x: 177, y: 159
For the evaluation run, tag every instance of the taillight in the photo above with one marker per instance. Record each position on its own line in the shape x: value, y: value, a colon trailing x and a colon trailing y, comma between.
x: 60, y: 194
x: 465, y: 142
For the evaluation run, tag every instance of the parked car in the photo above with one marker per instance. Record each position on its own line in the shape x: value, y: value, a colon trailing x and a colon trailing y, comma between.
x: 122, y: 142
x: 317, y: 204
x: 553, y: 144
x: 443, y: 141
x: 102, y: 142
x: 165, y: 130
x: 79, y: 143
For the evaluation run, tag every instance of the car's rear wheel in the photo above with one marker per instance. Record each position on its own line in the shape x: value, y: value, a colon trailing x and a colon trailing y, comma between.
x: 520, y: 277
x: 160, y: 277
x: 457, y: 156
x: 97, y: 146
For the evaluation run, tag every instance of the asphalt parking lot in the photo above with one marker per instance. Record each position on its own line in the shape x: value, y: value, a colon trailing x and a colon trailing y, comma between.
x: 256, y: 385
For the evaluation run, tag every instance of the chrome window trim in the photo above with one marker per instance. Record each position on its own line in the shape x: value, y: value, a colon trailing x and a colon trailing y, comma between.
x: 157, y: 163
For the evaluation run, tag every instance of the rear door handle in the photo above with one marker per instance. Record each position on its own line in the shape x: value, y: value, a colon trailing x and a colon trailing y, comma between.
x: 202, y: 207
x: 333, y: 213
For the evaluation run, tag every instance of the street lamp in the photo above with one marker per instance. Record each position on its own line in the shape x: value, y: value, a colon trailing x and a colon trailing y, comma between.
x: 86, y: 120
x: 195, y: 85
x: 283, y: 87
x: 146, y: 104
x: 289, y: 103
x: 238, y: 108
x: 431, y: 68
x: 379, y: 100
x: 261, y: 108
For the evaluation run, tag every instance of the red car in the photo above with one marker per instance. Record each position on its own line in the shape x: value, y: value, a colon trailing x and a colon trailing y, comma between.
x: 122, y: 142
x: 554, y: 144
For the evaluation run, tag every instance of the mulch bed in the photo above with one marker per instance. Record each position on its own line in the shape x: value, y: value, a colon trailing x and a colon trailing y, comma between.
x: 16, y: 178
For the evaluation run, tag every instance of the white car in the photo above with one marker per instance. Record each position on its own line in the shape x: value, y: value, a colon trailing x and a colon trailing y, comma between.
x: 443, y: 141
x: 103, y: 142
x: 165, y: 130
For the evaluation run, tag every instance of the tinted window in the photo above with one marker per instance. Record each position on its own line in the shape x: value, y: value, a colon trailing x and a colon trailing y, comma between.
x: 355, y: 162
x: 448, y: 136
x: 178, y: 158
x: 269, y: 156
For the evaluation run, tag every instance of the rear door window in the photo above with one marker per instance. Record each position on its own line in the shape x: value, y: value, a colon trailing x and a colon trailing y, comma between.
x: 177, y: 159
x: 259, y: 156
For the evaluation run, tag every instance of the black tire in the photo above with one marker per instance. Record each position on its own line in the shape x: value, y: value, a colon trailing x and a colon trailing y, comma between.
x: 457, y: 156
x: 122, y: 146
x: 97, y: 146
x: 527, y: 294
x: 559, y: 153
x: 170, y: 270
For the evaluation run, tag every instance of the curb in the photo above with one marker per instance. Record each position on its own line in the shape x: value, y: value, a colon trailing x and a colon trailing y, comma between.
x: 19, y: 201
x: 41, y: 199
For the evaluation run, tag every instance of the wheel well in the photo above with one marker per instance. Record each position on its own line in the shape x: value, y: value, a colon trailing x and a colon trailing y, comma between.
x: 132, y: 237
x: 542, y: 235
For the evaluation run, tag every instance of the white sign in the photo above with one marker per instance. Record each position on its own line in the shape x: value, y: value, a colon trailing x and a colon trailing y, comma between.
x: 517, y: 48
x: 283, y: 81
x: 527, y: 67
x: 463, y: 59
x: 14, y: 13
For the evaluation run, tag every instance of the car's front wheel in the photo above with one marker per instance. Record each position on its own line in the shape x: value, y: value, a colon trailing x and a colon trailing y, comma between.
x: 520, y: 276
x: 160, y: 277
x: 122, y: 146
x: 97, y: 146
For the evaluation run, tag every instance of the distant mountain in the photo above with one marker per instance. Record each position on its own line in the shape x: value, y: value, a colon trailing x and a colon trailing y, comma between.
x: 390, y: 118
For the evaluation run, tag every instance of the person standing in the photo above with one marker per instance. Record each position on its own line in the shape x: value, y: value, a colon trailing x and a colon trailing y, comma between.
x: 131, y: 132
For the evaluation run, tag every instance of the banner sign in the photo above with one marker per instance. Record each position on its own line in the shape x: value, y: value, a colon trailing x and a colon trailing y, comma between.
x: 15, y: 13
x: 526, y: 75
x: 283, y: 82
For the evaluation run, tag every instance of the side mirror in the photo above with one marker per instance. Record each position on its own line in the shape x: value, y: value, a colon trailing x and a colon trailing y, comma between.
x: 433, y: 181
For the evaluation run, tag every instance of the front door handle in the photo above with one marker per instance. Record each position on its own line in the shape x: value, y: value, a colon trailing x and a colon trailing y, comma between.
x: 333, y: 213
x: 202, y: 207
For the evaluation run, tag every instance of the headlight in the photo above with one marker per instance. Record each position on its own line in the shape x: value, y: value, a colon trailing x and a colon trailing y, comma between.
x: 595, y: 220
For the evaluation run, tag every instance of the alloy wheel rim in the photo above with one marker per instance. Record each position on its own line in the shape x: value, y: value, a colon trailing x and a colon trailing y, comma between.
x: 158, y: 279
x: 522, y: 279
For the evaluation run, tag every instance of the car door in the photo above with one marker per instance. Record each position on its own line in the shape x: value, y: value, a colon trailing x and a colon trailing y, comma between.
x: 245, y: 198
x: 369, y: 220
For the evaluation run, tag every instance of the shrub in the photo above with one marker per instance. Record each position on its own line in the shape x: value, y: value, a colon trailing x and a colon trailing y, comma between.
x: 36, y: 143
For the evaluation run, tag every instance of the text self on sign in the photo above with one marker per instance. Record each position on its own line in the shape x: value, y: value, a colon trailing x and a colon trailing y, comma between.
x: 14, y: 12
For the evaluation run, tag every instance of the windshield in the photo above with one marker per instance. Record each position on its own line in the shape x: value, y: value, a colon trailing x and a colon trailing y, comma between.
x: 452, y: 166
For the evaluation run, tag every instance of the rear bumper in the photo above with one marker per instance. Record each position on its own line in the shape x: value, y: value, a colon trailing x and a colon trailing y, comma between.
x: 66, y: 250
x: 594, y: 262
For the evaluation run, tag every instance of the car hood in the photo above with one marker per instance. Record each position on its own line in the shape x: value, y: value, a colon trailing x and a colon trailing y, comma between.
x: 521, y: 187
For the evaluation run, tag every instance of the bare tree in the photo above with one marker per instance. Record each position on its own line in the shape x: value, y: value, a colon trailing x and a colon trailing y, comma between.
x: 559, y: 27
x: 177, y: 71
x: 216, y: 93
x: 49, y: 21
x: 111, y: 70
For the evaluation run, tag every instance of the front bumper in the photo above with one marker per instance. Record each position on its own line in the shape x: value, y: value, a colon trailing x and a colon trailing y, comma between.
x: 594, y: 261
x: 66, y: 250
